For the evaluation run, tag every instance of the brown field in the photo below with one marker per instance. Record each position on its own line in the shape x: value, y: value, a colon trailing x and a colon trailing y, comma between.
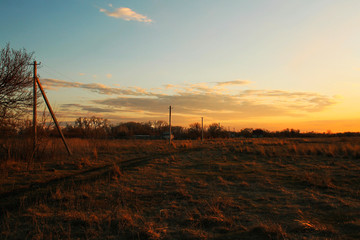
x: 219, y: 189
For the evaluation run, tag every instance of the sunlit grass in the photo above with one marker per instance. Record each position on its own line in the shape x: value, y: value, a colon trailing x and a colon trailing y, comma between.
x: 219, y: 189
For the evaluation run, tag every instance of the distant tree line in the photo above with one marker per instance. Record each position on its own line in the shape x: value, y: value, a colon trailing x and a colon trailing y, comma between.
x: 96, y: 127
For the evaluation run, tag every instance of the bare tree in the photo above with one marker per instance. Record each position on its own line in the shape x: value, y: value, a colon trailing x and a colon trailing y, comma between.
x: 215, y: 130
x: 194, y: 131
x: 15, y: 83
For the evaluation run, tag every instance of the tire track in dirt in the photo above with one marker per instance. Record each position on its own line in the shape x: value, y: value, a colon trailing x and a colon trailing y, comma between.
x: 26, y: 196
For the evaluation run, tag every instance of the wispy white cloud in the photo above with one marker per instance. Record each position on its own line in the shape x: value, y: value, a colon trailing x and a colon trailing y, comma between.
x: 235, y: 82
x: 54, y: 84
x: 141, y: 90
x: 167, y: 86
x: 127, y: 14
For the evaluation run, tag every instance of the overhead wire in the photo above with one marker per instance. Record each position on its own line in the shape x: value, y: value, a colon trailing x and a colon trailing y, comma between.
x: 58, y: 72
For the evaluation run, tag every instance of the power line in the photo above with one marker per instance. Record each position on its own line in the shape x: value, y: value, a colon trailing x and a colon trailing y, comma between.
x: 58, y: 72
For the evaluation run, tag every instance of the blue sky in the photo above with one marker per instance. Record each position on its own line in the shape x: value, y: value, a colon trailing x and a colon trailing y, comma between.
x: 272, y: 64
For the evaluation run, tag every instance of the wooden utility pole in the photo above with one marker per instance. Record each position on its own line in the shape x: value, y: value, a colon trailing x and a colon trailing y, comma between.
x: 170, y: 124
x: 37, y: 82
x: 202, y: 128
x: 35, y: 110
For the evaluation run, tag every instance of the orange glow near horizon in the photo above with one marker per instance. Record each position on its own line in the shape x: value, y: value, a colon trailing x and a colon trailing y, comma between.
x: 235, y: 104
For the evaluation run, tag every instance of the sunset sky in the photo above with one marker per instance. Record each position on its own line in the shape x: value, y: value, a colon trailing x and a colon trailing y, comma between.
x: 270, y: 64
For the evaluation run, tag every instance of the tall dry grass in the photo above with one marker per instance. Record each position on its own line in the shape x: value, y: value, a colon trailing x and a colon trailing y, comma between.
x: 224, y: 189
x: 330, y: 147
x: 51, y: 160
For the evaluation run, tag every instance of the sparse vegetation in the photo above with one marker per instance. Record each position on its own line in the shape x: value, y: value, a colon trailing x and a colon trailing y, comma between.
x: 263, y: 188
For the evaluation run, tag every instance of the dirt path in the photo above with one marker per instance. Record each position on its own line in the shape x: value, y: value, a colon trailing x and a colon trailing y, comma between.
x: 25, y: 196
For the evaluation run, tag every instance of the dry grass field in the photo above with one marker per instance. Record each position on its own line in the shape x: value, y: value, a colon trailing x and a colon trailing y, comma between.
x: 219, y: 189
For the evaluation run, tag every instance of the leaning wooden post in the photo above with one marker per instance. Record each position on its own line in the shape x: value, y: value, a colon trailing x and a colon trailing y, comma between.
x: 53, y: 116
